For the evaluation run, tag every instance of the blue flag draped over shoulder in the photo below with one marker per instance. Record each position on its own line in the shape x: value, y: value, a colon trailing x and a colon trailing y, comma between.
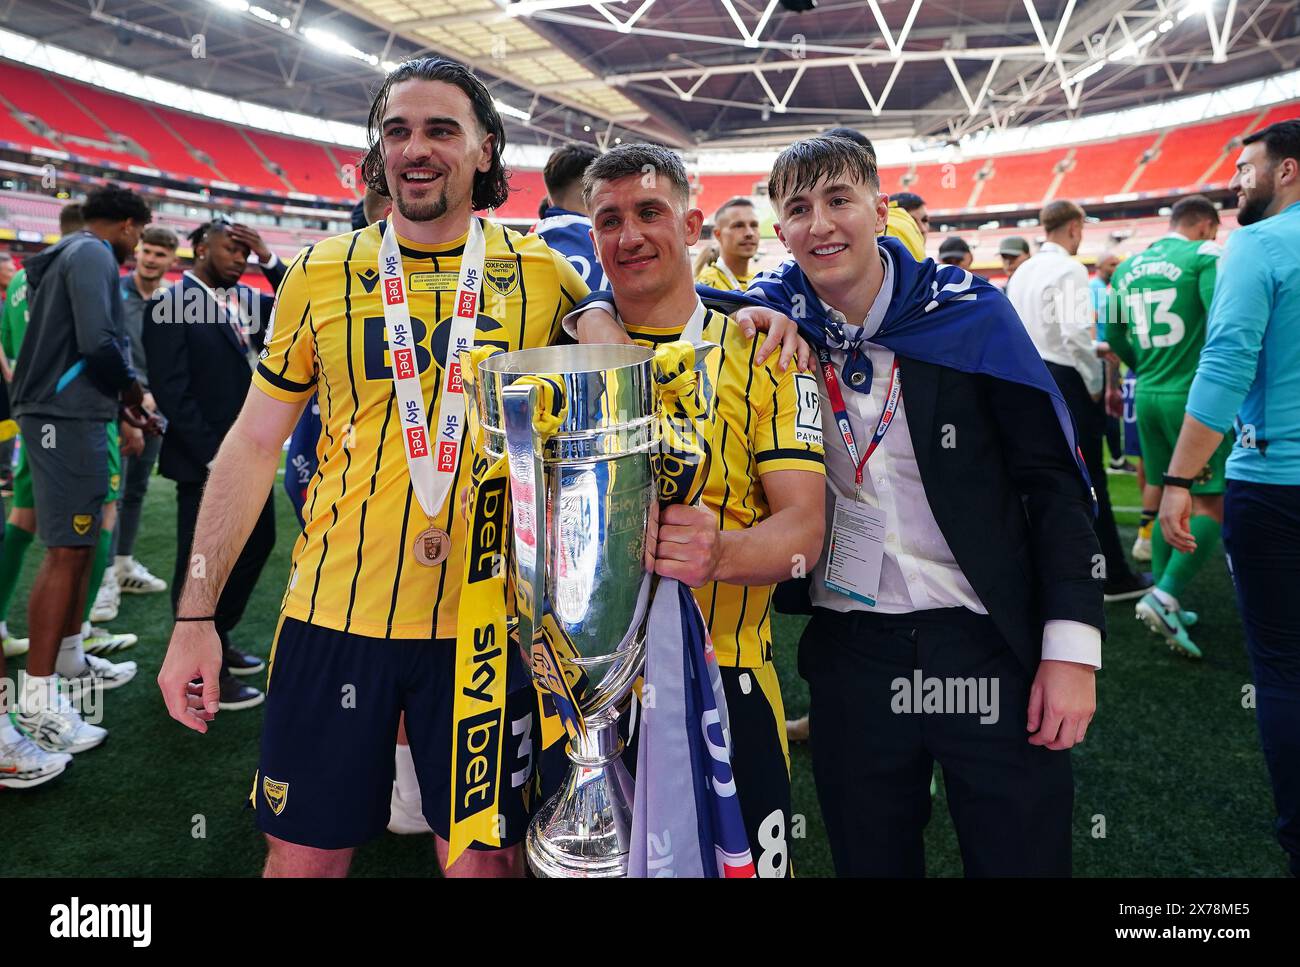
x: 938, y: 314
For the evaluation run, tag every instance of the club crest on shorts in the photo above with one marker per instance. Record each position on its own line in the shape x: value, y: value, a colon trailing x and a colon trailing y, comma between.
x: 276, y: 793
x: 114, y: 481
x: 81, y: 524
x: 502, y: 274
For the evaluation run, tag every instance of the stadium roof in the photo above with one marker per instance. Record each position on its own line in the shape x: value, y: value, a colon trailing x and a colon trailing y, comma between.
x: 700, y: 73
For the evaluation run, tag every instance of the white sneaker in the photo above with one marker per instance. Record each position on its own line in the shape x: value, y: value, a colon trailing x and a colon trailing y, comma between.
x: 107, y: 599
x: 60, y: 729
x: 99, y: 673
x: 13, y: 647
x: 101, y: 641
x: 405, y: 817
x: 24, y: 764
x: 134, y: 578
x: 1142, y: 549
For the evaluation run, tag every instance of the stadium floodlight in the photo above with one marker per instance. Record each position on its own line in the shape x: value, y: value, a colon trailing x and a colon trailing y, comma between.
x: 327, y: 40
x: 239, y: 6
x: 510, y: 111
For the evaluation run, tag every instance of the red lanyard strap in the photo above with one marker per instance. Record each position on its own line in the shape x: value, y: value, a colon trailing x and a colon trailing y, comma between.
x: 841, y: 412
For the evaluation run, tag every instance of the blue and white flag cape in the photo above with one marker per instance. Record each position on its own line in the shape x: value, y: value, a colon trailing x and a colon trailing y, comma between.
x: 938, y: 314
x: 686, y: 819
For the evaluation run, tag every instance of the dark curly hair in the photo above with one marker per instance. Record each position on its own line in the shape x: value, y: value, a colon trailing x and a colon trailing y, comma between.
x: 113, y: 203
x: 492, y: 187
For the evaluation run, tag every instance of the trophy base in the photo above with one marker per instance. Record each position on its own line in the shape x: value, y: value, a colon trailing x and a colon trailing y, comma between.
x: 585, y: 829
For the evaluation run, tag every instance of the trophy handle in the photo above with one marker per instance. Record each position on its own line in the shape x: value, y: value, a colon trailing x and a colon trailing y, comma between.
x: 528, y: 496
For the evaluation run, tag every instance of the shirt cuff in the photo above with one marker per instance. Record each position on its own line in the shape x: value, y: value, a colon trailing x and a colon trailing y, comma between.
x: 272, y: 262
x: 1065, y: 640
x: 597, y: 300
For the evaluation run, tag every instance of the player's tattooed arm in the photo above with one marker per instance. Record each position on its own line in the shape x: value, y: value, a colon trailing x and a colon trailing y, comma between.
x: 241, y: 476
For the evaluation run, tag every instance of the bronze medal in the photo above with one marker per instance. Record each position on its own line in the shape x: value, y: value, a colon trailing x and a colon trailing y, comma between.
x: 431, y: 546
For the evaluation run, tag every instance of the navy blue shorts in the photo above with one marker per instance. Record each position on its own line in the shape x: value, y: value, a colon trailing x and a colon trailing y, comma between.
x: 325, y: 777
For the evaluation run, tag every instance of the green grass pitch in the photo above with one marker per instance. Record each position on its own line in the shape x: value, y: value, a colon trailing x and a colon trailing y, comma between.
x: 1172, y: 761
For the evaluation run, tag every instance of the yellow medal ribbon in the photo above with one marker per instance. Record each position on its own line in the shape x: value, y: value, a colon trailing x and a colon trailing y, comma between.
x: 479, y: 702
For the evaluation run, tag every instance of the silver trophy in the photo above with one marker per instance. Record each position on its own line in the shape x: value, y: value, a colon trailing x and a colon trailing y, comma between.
x: 581, y: 427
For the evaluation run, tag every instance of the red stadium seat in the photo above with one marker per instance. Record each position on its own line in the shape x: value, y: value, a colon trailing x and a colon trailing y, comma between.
x: 1021, y: 179
x: 37, y: 94
x: 1101, y: 169
x: 308, y: 166
x: 1186, y: 154
x: 1222, y: 173
x: 946, y: 187
x: 527, y: 189
x: 717, y: 188
x: 231, y: 154
x: 132, y: 118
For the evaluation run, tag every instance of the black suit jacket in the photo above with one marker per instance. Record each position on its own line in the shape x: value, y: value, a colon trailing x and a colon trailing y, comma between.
x: 198, y: 372
x: 1007, y: 497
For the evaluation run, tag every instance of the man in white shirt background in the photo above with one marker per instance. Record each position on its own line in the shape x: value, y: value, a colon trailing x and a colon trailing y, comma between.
x: 1050, y: 292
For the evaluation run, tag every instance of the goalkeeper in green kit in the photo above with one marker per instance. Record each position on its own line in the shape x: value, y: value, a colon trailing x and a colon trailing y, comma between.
x: 1161, y: 299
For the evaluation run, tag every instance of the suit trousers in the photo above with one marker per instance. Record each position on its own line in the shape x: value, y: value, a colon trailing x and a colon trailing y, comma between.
x: 1261, y: 533
x: 1090, y: 423
x: 891, y: 694
x: 248, y: 567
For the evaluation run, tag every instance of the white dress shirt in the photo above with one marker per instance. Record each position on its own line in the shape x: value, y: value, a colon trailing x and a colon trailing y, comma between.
x: 1050, y: 293
x: 919, y: 571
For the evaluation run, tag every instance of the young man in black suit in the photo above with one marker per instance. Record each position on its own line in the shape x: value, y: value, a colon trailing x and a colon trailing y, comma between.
x: 966, y: 626
x: 201, y: 338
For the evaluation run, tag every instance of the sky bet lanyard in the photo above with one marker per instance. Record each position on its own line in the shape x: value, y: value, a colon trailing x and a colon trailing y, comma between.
x: 432, y: 463
x: 841, y: 414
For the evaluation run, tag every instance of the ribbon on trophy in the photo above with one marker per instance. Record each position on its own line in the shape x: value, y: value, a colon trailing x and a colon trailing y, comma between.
x: 685, y: 791
x: 479, y: 701
x: 558, y: 682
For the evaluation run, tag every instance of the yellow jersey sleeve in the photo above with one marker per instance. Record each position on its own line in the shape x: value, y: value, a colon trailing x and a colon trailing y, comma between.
x: 787, y: 435
x: 902, y: 226
x: 286, y: 370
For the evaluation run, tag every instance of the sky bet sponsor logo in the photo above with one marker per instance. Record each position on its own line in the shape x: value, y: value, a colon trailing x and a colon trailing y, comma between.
x: 404, y: 360
x: 102, y: 921
x: 447, y: 456
x: 392, y: 279
x: 489, y: 512
x: 417, y: 443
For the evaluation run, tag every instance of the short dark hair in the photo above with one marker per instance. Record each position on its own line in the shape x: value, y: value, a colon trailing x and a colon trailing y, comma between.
x: 205, y: 231
x: 806, y: 162
x: 637, y: 159
x: 161, y: 236
x: 1281, y: 140
x: 955, y: 246
x: 1193, y: 208
x: 908, y: 201
x: 852, y: 134
x: 1058, y: 214
x: 71, y: 218
x: 112, y: 203
x: 736, y: 202
x: 491, y: 187
x: 566, y: 165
